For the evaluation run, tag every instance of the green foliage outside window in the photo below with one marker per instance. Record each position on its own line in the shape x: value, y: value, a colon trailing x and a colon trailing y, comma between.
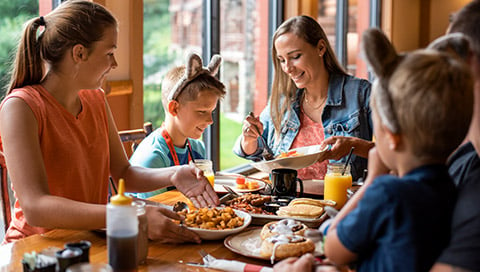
x: 13, y: 14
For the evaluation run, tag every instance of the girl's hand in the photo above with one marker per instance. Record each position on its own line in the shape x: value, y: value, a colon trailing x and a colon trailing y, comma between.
x: 190, y: 181
x: 161, y: 228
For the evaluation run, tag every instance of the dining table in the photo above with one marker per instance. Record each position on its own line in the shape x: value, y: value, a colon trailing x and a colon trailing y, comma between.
x: 161, y: 257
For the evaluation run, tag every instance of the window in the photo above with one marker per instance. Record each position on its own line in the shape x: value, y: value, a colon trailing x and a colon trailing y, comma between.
x: 239, y: 30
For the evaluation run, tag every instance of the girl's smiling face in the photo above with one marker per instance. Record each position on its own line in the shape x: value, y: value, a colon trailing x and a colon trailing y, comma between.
x: 301, y: 61
x: 99, y: 61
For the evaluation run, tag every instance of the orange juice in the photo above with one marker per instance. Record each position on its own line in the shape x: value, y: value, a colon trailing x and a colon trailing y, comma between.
x: 336, y: 185
x: 211, y: 178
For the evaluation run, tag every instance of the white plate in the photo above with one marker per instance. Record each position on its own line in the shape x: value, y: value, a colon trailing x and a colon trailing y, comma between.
x: 310, y: 155
x: 247, y: 243
x: 231, y: 182
x: 220, y: 234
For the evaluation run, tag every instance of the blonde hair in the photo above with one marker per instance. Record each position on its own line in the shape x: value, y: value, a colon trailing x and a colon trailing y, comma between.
x: 432, y: 100
x: 308, y: 29
x: 73, y: 22
x: 203, y: 82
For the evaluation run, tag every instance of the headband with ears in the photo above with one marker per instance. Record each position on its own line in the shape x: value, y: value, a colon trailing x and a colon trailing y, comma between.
x: 193, y: 69
x: 383, y: 59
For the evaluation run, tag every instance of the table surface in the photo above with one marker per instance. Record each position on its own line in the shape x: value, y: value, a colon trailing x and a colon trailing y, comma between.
x: 161, y: 257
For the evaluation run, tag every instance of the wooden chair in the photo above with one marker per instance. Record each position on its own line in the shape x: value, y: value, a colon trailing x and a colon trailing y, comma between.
x: 131, y: 137
x: 6, y: 193
x: 135, y: 136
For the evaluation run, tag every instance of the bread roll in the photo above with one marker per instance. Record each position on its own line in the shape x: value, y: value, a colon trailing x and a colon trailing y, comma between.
x: 282, y: 246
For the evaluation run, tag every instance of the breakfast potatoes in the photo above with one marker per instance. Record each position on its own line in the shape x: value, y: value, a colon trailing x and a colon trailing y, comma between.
x: 212, y: 218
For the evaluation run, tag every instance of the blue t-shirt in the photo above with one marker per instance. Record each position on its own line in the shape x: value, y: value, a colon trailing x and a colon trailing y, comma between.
x: 401, y: 224
x: 153, y: 152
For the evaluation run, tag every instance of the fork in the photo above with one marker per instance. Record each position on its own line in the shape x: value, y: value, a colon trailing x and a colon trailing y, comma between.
x: 231, y: 191
x: 203, y: 253
x: 267, y: 153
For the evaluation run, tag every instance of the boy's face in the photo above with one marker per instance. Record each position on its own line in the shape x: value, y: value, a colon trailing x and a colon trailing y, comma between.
x: 193, y: 117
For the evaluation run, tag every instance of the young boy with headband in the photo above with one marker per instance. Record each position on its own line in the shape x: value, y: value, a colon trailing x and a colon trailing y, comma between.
x: 190, y: 94
x: 402, y: 221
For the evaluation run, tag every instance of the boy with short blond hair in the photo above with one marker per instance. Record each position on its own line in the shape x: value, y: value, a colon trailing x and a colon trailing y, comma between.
x: 422, y: 107
x: 189, y: 96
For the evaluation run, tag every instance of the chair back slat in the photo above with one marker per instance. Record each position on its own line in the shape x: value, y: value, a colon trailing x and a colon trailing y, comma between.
x: 135, y: 136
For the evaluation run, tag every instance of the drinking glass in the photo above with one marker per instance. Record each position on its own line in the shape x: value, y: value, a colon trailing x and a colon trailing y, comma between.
x: 337, y: 183
x: 207, y: 167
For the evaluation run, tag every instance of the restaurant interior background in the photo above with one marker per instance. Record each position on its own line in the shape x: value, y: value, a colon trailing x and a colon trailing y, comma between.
x: 155, y: 35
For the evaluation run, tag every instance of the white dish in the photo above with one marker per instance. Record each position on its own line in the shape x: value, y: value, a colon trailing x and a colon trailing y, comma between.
x: 310, y: 155
x: 231, y: 182
x: 220, y: 234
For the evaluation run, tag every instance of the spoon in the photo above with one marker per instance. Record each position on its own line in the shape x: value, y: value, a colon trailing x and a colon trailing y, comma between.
x: 180, y: 206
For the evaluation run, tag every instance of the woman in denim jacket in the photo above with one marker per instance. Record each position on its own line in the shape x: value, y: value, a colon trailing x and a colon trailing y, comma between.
x: 315, y: 100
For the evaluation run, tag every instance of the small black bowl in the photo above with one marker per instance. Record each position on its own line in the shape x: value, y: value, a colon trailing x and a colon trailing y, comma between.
x: 274, y: 206
x: 283, y: 199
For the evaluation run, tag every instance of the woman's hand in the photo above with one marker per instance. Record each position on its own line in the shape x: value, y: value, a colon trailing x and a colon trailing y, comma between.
x: 252, y: 128
x: 293, y: 264
x: 341, y: 145
x: 190, y: 181
x: 161, y: 228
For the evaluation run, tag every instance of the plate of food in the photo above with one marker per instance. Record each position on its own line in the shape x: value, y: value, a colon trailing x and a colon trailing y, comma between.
x: 251, y: 243
x: 309, y: 211
x: 239, y: 184
x: 215, y: 223
x: 293, y: 159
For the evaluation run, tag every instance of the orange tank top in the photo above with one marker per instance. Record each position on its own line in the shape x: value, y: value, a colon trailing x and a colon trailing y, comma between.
x: 75, y: 150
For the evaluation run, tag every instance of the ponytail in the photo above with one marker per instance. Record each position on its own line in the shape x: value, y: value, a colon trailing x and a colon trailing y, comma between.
x: 28, y: 65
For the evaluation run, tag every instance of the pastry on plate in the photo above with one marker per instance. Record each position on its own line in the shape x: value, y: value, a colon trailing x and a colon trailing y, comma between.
x: 301, y: 211
x: 284, y: 226
x: 282, y: 246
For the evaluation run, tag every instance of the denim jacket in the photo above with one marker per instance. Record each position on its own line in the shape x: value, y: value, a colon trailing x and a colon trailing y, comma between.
x: 347, y: 113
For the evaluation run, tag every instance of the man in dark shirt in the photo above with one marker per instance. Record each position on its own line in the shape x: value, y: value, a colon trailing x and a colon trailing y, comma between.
x: 463, y: 253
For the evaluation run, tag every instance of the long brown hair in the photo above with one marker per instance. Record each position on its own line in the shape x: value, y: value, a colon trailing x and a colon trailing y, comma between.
x: 73, y: 22
x: 309, y: 29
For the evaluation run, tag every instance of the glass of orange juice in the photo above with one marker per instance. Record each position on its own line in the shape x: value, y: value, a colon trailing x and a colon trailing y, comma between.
x: 207, y: 167
x: 336, y: 184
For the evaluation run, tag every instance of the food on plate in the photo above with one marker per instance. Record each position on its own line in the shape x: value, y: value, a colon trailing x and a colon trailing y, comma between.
x: 250, y: 203
x: 301, y: 211
x: 284, y: 226
x: 283, y: 246
x: 212, y: 218
x: 311, y: 201
x: 240, y: 180
x: 291, y: 153
x: 248, y: 184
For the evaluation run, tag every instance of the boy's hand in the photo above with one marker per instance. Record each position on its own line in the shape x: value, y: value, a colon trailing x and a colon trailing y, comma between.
x: 161, y: 228
x: 376, y: 166
x: 190, y: 181
x: 304, y: 263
